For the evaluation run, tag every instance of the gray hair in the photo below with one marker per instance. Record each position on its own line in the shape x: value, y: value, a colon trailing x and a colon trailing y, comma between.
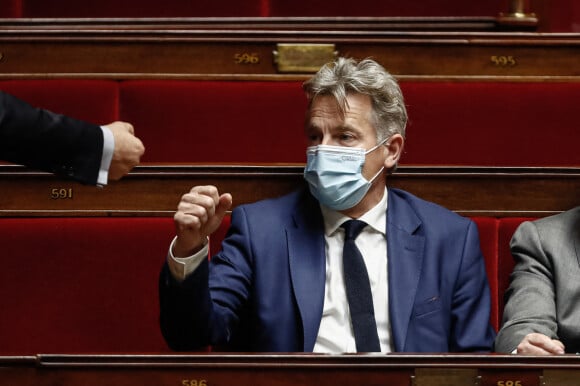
x: 366, y: 77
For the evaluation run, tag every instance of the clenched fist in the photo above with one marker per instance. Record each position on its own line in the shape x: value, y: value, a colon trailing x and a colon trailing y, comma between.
x: 198, y: 215
x: 128, y: 149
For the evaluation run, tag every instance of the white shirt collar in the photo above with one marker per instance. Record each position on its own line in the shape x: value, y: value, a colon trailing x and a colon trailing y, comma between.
x: 375, y: 217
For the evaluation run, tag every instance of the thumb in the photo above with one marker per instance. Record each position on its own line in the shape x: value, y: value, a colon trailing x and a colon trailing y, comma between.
x: 224, y: 204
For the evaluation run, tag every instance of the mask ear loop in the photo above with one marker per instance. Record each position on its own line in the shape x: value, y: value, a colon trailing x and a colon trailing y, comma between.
x: 376, y: 175
x: 376, y: 146
x: 383, y: 167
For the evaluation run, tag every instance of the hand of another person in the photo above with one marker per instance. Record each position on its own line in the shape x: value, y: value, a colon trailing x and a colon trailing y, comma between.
x: 128, y: 149
x: 540, y: 344
x: 198, y: 215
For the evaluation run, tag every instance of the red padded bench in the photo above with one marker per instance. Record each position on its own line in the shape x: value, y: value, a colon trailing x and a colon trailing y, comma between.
x: 281, y: 8
x: 130, y: 9
x: 451, y: 123
x: 89, y: 285
x: 74, y: 285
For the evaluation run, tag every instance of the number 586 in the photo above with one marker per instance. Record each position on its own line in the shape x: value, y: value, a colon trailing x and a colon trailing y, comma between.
x: 193, y: 382
x: 509, y: 383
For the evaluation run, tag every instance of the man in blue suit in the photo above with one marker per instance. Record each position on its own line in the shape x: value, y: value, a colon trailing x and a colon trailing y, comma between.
x: 279, y: 284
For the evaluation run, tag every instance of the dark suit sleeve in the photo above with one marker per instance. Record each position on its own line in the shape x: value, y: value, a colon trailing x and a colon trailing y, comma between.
x: 50, y: 142
x: 185, y: 309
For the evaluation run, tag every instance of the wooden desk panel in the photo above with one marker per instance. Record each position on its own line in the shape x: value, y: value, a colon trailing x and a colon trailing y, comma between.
x: 218, y: 369
x: 156, y: 190
x: 170, y: 53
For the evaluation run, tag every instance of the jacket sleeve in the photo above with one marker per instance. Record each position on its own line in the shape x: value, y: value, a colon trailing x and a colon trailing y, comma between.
x: 205, y: 309
x: 471, y: 301
x: 530, y: 299
x: 185, y: 309
x: 50, y: 142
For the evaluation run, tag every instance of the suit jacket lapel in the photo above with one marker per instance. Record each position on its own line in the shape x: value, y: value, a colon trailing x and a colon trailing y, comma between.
x: 405, y: 254
x: 308, y: 268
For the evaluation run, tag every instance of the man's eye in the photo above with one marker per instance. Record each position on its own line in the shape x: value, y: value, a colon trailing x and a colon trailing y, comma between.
x: 313, y: 138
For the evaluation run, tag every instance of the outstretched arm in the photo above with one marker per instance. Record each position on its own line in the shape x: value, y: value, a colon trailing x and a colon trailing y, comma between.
x: 63, y: 145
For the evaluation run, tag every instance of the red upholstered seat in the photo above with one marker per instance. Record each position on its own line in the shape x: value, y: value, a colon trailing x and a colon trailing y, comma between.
x: 92, y: 100
x: 211, y: 121
x: 76, y: 285
x: 487, y: 227
x: 282, y: 8
x: 492, y: 123
x: 385, y: 8
x: 139, y: 8
x: 450, y: 123
x: 10, y: 8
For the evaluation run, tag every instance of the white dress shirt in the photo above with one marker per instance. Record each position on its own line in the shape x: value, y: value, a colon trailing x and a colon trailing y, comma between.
x: 336, y: 334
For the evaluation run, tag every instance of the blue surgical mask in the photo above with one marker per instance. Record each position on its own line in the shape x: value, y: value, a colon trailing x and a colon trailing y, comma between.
x: 334, y: 175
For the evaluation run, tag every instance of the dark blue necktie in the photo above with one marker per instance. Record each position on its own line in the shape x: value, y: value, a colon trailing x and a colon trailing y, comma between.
x: 358, y: 291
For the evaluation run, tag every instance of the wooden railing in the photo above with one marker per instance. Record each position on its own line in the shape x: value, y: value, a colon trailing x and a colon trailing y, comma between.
x: 290, y: 369
x: 155, y: 190
x: 198, y: 50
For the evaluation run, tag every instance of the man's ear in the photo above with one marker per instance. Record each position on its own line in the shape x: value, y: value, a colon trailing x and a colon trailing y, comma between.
x: 394, y: 151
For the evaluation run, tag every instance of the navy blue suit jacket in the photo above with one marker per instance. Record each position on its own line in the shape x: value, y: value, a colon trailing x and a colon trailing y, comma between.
x: 264, y: 291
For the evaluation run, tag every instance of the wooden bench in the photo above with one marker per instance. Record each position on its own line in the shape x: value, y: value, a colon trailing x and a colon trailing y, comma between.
x: 80, y: 273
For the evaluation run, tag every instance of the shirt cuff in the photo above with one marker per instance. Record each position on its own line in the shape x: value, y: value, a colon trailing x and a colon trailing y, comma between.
x: 182, y: 267
x: 108, y: 149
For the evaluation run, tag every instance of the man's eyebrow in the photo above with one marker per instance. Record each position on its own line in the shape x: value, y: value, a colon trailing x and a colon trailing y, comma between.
x: 348, y: 127
x: 311, y: 127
